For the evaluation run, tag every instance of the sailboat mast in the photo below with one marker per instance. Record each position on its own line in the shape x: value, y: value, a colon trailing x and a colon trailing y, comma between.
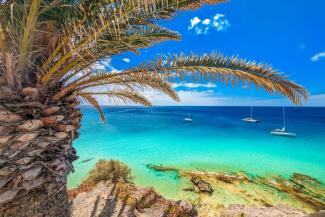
x: 284, y: 119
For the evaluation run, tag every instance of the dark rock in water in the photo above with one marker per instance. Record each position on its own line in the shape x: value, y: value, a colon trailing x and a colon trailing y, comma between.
x: 202, y: 185
x: 162, y: 168
x: 87, y: 160
x: 225, y: 179
x: 304, y: 178
x: 189, y: 189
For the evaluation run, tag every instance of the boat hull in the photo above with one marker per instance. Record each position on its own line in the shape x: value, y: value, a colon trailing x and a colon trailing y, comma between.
x: 251, y: 120
x: 285, y: 134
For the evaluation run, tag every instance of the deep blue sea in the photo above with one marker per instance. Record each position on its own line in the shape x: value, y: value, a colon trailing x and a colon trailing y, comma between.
x: 216, y: 140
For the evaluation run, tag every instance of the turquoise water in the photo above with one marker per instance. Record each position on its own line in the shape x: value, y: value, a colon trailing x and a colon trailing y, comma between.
x: 217, y: 140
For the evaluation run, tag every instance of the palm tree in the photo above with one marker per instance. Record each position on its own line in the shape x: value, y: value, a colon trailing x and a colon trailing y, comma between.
x: 47, y: 53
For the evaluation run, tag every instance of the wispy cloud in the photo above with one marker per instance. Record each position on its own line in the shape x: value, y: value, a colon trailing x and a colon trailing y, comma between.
x: 217, y: 22
x: 127, y: 60
x: 317, y: 57
x: 194, y: 85
x: 189, y: 98
x: 104, y: 65
x: 194, y: 21
x: 212, y: 98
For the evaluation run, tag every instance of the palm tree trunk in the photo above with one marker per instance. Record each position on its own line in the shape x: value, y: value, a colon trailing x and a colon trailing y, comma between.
x: 36, y: 154
x: 38, y: 203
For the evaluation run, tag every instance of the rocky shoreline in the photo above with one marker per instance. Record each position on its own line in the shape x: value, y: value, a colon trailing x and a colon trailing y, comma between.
x: 109, y: 191
x: 214, y: 192
x: 117, y: 200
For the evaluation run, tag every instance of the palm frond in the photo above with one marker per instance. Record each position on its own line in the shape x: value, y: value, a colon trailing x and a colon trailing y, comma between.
x: 92, y: 101
x: 29, y: 26
x: 132, y: 79
x: 143, y: 36
x: 228, y: 70
x: 110, y: 28
x: 126, y: 96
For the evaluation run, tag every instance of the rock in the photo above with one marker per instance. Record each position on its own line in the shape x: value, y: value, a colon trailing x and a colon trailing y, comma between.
x: 26, y: 137
x: 127, y: 200
x: 226, y: 178
x: 187, y: 207
x: 7, y: 195
x: 162, y: 168
x: 30, y: 125
x: 241, y: 210
x: 304, y: 178
x: 32, y: 173
x: 87, y: 160
x: 9, y: 117
x: 318, y: 214
x: 202, y: 185
x: 191, y: 189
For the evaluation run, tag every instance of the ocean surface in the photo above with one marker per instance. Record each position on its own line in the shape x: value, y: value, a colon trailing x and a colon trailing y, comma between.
x: 216, y: 140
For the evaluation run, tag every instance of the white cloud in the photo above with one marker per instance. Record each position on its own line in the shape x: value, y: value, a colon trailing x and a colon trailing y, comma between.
x: 127, y: 60
x: 104, y: 65
x: 206, y: 21
x: 317, y: 57
x: 194, y: 85
x: 218, y: 22
x: 189, y: 98
x: 194, y: 21
x: 211, y: 98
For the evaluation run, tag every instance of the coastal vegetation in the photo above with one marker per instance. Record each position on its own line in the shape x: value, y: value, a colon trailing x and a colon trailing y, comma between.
x: 109, y: 191
x: 48, y: 54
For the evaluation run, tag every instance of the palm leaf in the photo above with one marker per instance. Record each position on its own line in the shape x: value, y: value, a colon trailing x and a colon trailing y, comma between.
x: 29, y: 27
x: 228, y: 70
x: 126, y: 96
x: 123, y: 79
x: 94, y: 103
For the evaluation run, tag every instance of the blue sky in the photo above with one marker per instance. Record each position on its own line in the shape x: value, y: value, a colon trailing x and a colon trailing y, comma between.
x: 289, y: 35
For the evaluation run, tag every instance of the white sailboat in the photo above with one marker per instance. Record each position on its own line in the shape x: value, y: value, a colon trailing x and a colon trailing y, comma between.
x: 188, y: 119
x: 283, y: 132
x: 251, y: 119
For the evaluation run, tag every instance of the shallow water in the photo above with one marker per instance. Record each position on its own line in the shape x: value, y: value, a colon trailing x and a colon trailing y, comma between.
x: 216, y: 140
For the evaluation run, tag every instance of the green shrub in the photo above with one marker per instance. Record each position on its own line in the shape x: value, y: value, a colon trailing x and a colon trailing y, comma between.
x: 109, y: 170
